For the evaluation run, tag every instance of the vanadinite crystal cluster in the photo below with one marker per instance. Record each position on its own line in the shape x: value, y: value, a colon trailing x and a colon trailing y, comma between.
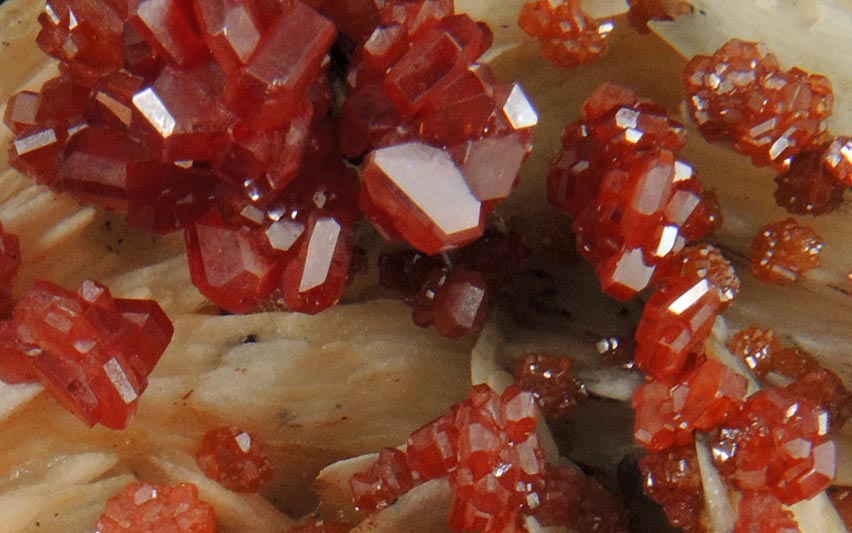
x: 92, y: 352
x: 240, y: 122
x: 488, y: 448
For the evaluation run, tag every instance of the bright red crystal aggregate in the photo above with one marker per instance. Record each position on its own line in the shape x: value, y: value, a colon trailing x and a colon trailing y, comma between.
x: 147, y: 508
x: 666, y: 416
x: 756, y: 347
x: 782, y: 251
x: 568, y: 36
x: 486, y: 445
x: 216, y: 118
x: 673, y: 479
x: 93, y: 353
x: 634, y: 204
x: 761, y: 512
x: 795, y: 460
x: 549, y: 377
x: 742, y: 94
x: 837, y: 160
x: 705, y: 261
x: 235, y: 458
x: 386, y: 480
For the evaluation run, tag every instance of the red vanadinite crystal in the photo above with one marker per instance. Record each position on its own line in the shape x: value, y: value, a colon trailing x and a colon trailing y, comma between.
x: 234, y: 458
x: 571, y: 499
x: 92, y: 352
x: 782, y: 251
x: 673, y: 480
x: 837, y: 160
x: 778, y: 442
x: 146, y: 508
x: 741, y: 93
x: 568, y: 36
x: 10, y: 261
x: 386, y: 480
x: 549, y: 377
x: 634, y: 203
x: 486, y: 445
x: 756, y: 347
x: 807, y: 188
x: 705, y: 261
x: 826, y: 389
x: 761, y: 512
x: 219, y: 118
x: 666, y: 416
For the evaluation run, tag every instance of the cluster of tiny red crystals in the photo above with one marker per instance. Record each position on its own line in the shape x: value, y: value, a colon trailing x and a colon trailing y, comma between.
x: 784, y: 250
x: 571, y: 499
x: 567, y: 35
x: 667, y: 416
x: 672, y: 479
x: 761, y: 512
x: 764, y: 354
x: 776, y: 441
x: 550, y: 379
x: 741, y: 93
x: 146, y: 508
x: 807, y: 188
x: 634, y: 203
x: 488, y: 448
x: 91, y: 351
x: 453, y: 291
x: 218, y: 118
x: 235, y: 458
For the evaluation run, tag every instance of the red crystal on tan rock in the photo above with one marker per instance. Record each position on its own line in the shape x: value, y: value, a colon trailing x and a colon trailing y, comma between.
x: 146, y: 508
x: 568, y: 36
x: 673, y: 479
x: 742, y: 94
x: 705, y: 261
x: 675, y: 323
x: 826, y: 389
x: 93, y: 353
x: 461, y: 304
x: 761, y: 512
x: 235, y: 458
x: 634, y: 203
x: 756, y: 347
x: 782, y: 251
x: 666, y: 416
x: 807, y: 188
x: 794, y: 461
x: 229, y: 264
x: 837, y: 160
x: 550, y: 379
x: 386, y: 480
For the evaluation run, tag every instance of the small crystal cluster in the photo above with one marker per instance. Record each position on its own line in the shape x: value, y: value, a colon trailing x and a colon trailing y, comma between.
x: 550, y: 379
x: 765, y: 354
x: 567, y: 35
x: 672, y: 479
x: 741, y: 93
x: 453, y: 291
x: 575, y: 501
x: 219, y: 118
x: 807, y: 188
x: 144, y: 508
x: 783, y: 251
x: 634, y: 203
x: 236, y: 459
x: 91, y: 351
x: 488, y: 448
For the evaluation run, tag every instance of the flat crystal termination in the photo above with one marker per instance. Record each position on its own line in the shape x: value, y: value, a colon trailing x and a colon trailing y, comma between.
x: 92, y: 352
x: 147, y: 507
x: 488, y: 448
x: 214, y: 117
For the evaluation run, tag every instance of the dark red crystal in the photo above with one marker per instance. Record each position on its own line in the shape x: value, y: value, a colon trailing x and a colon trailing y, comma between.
x: 549, y: 377
x: 673, y: 479
x: 235, y: 458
